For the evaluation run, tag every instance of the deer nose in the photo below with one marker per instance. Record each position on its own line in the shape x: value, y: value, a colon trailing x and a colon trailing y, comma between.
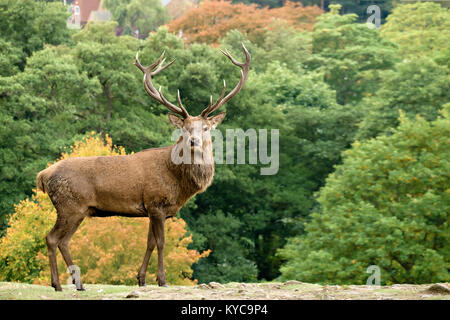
x: 195, y: 142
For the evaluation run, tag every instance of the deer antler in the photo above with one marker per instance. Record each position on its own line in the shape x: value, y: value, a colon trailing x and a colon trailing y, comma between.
x: 244, y: 74
x: 149, y: 72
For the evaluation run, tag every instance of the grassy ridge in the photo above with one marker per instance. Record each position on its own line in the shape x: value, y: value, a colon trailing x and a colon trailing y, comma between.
x: 215, y: 291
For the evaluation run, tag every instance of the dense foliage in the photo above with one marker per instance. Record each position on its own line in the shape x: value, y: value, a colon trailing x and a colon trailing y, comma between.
x: 137, y: 17
x: 347, y: 6
x: 29, y: 24
x: 323, y: 80
x: 419, y: 29
x: 386, y: 205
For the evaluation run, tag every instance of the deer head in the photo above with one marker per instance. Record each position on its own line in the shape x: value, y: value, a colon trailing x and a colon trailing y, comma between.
x: 195, y: 130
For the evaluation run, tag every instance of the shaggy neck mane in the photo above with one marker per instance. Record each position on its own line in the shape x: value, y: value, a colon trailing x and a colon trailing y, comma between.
x: 194, y: 177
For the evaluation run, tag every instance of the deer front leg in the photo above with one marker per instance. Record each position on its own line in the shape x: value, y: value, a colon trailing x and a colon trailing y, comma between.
x: 158, y: 232
x: 150, y: 246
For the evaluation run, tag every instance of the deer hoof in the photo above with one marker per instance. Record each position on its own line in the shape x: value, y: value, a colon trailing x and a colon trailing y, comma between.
x: 163, y: 285
x: 57, y: 288
x: 80, y: 288
x: 141, y: 282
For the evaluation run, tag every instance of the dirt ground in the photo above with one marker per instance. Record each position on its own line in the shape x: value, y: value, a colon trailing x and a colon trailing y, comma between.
x: 290, y: 290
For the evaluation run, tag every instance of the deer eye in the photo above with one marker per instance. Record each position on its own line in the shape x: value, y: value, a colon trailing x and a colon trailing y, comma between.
x: 205, y: 128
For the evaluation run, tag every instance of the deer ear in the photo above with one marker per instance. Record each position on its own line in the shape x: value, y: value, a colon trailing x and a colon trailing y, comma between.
x: 217, y: 119
x: 176, y: 121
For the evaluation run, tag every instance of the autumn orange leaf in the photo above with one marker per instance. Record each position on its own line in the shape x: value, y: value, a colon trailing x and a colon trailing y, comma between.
x: 213, y: 19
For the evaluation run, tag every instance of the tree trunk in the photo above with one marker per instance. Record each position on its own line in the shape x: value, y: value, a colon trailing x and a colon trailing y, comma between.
x: 109, y: 102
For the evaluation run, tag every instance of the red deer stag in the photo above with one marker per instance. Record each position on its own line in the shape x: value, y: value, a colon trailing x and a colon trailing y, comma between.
x: 145, y: 184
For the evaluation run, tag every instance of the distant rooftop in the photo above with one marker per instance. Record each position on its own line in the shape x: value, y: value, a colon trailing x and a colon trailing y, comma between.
x: 86, y: 10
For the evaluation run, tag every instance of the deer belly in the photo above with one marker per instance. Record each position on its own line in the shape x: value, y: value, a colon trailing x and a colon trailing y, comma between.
x: 120, y: 203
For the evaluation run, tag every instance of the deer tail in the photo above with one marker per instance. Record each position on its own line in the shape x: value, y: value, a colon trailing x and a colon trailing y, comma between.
x: 41, y: 181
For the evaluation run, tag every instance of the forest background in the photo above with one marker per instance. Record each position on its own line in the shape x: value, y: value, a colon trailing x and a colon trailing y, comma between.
x: 363, y: 116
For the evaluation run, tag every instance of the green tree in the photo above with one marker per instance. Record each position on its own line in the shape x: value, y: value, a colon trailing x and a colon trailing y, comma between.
x: 348, y: 6
x: 38, y: 110
x: 122, y: 109
x: 360, y: 7
x: 10, y: 58
x: 230, y: 261
x: 419, y: 86
x: 30, y: 24
x: 142, y: 15
x: 386, y: 205
x: 350, y: 55
x: 109, y: 59
x: 270, y: 208
x: 419, y: 29
x: 278, y: 39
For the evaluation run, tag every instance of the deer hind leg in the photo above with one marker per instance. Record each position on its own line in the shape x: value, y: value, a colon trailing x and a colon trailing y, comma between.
x: 53, y: 239
x: 72, y: 226
x: 151, y: 243
x: 67, y: 222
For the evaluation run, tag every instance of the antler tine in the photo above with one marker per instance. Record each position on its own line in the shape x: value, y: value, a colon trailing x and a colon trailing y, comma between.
x: 150, y: 67
x: 150, y: 88
x: 167, y: 103
x: 229, y: 56
x: 245, y: 67
x: 180, y: 104
x: 161, y: 68
x: 137, y: 63
x: 206, y: 111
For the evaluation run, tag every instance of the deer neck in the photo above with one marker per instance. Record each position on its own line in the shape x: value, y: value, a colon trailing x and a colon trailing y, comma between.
x: 195, y: 177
